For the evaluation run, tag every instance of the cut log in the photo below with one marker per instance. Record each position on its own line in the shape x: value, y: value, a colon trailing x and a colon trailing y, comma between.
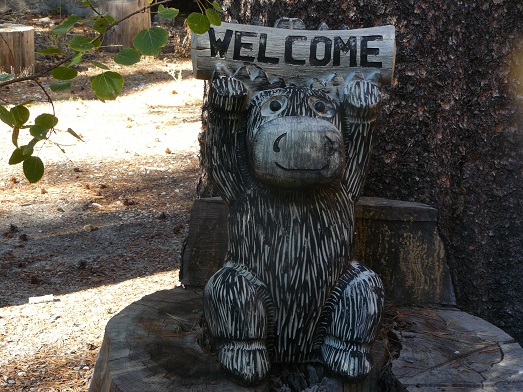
x: 17, y: 49
x: 400, y: 241
x: 155, y: 345
x: 206, y: 244
x: 297, y: 56
x: 121, y: 36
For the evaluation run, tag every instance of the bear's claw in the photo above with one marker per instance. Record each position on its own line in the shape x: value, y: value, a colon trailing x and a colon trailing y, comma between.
x: 348, y: 360
x: 247, y: 362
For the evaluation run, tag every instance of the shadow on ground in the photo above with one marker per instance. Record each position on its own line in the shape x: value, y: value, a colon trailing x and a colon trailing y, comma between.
x: 85, y: 232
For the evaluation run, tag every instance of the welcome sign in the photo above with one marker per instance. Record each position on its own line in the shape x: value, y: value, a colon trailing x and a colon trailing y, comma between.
x: 295, y: 55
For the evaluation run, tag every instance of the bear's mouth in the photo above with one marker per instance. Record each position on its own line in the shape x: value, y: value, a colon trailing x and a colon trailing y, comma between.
x: 287, y: 169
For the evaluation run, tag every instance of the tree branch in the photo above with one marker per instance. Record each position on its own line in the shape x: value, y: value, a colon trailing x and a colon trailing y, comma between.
x: 46, y: 71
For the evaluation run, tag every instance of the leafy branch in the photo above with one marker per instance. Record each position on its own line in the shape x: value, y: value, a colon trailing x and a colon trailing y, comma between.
x: 106, y: 86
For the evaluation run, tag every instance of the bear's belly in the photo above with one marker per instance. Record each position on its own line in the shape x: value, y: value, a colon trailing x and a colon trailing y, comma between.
x: 298, y: 254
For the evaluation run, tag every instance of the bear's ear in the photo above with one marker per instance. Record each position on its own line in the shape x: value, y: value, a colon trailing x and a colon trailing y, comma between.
x: 362, y: 95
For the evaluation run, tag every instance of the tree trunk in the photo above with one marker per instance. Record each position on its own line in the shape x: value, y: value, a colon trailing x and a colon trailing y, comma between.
x: 121, y: 36
x: 17, y: 50
x: 451, y: 130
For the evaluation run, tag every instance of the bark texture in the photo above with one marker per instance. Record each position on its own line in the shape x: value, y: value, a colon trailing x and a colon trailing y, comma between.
x: 451, y: 132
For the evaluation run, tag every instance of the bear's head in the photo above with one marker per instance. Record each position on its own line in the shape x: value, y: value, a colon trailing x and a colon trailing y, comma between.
x: 294, y: 137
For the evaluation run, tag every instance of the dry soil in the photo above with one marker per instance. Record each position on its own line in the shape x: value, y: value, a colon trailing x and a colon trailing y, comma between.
x: 105, y: 225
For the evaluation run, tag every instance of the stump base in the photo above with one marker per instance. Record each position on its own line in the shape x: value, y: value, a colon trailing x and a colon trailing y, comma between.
x: 155, y: 344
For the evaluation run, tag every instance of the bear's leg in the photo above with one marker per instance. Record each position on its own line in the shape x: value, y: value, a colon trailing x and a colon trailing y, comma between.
x: 351, y: 321
x: 236, y: 315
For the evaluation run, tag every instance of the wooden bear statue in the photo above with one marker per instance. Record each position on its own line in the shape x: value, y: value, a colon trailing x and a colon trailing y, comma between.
x: 290, y: 162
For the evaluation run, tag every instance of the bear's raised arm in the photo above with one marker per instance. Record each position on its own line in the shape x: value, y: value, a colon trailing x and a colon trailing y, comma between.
x: 225, y: 133
x: 360, y: 102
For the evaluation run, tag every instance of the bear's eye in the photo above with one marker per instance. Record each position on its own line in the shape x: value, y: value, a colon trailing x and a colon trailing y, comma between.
x: 319, y: 106
x: 322, y: 107
x: 275, y: 106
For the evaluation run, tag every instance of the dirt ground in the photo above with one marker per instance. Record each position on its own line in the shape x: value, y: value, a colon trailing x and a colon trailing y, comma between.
x: 105, y: 225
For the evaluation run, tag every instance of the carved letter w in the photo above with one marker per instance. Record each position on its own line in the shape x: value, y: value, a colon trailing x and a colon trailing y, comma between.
x: 217, y: 45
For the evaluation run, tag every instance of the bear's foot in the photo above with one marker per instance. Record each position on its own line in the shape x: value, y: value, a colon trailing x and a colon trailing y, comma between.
x: 246, y: 362
x: 349, y: 360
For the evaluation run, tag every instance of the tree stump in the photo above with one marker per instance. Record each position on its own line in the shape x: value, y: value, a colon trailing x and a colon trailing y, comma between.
x: 121, y: 36
x: 400, y: 241
x: 155, y: 345
x: 17, y: 49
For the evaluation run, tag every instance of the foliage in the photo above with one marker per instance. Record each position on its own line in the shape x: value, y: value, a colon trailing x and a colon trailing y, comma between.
x: 107, y: 85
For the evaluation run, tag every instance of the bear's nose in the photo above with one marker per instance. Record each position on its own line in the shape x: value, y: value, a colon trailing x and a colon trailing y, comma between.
x: 331, y: 147
x: 276, y: 145
x: 297, y: 152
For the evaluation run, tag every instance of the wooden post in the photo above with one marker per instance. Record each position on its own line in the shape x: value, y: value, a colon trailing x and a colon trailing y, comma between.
x: 17, y: 51
x: 121, y: 36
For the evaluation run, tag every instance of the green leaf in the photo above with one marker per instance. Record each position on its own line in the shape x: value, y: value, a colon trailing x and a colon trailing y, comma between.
x: 85, y: 3
x: 217, y: 7
x: 81, y: 44
x: 69, y: 130
x: 14, y: 136
x: 7, y: 117
x: 67, y: 24
x: 97, y: 42
x: 46, y: 120
x: 107, y: 85
x: 198, y: 22
x: 5, y: 77
x: 213, y: 16
x: 20, y: 114
x: 50, y: 50
x: 17, y: 156
x: 100, y: 65
x: 109, y: 19
x: 151, y: 41
x: 38, y: 131
x: 167, y: 13
x: 33, y: 169
x: 100, y: 25
x: 127, y: 56
x: 64, y: 73
x: 28, y: 150
x: 75, y: 59
x: 59, y: 86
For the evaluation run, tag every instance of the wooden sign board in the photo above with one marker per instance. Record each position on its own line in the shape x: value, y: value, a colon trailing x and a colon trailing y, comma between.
x: 297, y: 56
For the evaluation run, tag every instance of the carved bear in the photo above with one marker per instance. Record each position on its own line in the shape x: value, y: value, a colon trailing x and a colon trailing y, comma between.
x: 290, y: 162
